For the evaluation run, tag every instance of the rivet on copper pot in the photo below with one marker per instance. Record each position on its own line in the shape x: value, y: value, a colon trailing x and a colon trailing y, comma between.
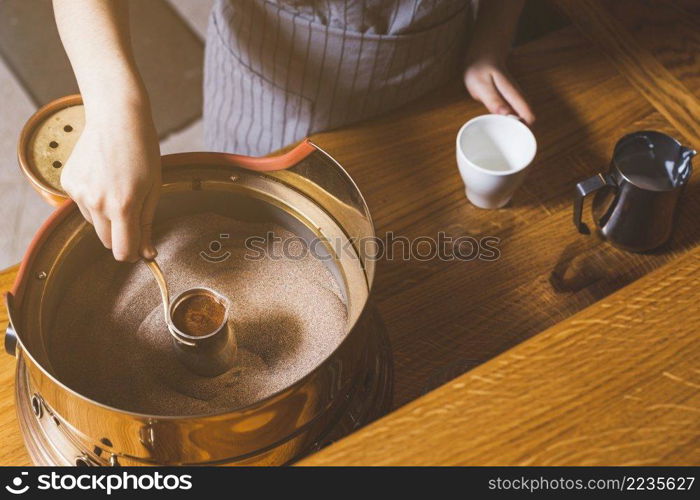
x: 97, y: 450
x: 41, y: 275
x: 37, y: 406
x: 147, y: 436
x: 83, y: 461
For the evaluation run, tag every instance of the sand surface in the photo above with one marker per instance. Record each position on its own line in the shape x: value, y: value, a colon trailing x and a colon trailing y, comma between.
x: 110, y: 342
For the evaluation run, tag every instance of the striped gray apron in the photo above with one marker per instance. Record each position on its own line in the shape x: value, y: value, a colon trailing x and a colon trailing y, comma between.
x: 278, y: 71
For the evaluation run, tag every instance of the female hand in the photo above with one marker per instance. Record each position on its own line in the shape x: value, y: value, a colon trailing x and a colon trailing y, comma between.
x: 114, y: 176
x: 488, y: 82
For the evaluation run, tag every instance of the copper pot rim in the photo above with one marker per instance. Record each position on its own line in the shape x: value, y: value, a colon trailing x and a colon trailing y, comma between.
x: 68, y: 208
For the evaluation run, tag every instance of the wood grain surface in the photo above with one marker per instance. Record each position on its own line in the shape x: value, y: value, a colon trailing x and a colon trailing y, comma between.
x: 669, y: 95
x: 616, y: 384
x: 589, y: 409
x: 668, y: 29
x: 12, y: 451
x: 446, y: 317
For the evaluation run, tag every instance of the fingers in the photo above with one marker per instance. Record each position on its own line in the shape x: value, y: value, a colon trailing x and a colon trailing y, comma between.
x: 147, y: 250
x: 483, y: 89
x: 113, y: 199
x: 119, y: 224
x: 122, y: 233
x: 492, y: 86
x: 103, y: 227
x: 126, y: 234
x: 85, y: 212
x: 514, y: 96
x: 76, y: 196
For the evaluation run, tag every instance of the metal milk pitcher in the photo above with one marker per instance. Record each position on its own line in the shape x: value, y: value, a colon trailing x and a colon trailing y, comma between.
x: 635, y: 201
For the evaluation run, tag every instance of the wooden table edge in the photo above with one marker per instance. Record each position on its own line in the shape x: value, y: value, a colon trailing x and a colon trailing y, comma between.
x: 408, y: 435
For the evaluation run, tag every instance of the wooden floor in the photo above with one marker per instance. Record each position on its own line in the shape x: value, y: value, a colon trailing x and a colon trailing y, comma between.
x: 449, y: 317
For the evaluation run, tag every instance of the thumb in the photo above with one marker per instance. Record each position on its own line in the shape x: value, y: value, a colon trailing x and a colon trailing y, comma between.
x: 147, y: 250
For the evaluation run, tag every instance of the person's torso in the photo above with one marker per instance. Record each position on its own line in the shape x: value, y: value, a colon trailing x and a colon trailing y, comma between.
x: 391, y: 39
x: 379, y: 17
x: 282, y: 69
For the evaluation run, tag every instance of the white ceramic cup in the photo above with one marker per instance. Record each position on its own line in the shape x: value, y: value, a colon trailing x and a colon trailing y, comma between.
x: 493, y: 152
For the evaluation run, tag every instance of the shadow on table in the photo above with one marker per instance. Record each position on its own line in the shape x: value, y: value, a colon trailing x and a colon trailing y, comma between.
x: 593, y: 264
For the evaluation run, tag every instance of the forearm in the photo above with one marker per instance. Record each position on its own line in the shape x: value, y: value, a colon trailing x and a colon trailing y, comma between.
x: 95, y: 35
x: 496, y: 22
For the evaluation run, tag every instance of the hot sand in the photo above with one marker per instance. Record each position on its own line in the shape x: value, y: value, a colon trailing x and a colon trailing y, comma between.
x: 110, y: 342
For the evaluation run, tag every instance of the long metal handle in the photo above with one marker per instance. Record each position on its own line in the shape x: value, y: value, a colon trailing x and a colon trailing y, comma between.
x: 583, y: 189
x: 163, y: 286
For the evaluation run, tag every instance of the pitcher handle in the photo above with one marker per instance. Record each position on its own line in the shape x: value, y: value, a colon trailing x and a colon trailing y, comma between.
x: 583, y: 189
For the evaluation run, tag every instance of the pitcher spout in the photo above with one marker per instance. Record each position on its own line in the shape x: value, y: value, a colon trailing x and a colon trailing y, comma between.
x: 687, y: 153
x: 683, y: 167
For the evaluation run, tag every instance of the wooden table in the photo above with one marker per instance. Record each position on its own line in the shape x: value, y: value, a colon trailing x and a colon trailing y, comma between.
x: 573, y: 386
x: 616, y: 384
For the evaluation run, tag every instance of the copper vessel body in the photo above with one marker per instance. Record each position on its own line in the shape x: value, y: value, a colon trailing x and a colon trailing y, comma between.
x: 307, y: 189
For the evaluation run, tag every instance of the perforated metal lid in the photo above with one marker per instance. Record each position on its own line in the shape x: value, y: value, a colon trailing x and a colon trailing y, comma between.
x: 46, y: 142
